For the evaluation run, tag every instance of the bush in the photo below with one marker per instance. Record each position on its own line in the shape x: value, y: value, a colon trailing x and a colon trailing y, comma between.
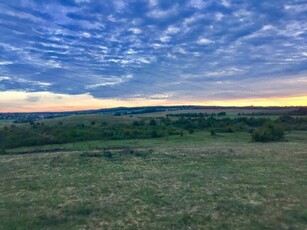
x: 135, y: 153
x: 136, y: 123
x: 2, y: 151
x: 155, y: 134
x: 268, y: 132
x: 153, y: 122
x: 191, y: 131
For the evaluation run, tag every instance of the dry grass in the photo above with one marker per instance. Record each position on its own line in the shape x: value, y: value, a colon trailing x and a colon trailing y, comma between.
x: 225, y: 186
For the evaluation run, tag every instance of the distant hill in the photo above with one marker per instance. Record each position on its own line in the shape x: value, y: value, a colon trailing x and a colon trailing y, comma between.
x: 120, y: 111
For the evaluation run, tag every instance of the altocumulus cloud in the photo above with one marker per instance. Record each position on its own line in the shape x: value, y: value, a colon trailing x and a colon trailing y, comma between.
x: 188, y: 49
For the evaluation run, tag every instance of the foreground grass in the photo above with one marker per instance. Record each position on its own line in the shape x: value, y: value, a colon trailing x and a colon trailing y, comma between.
x: 223, y: 183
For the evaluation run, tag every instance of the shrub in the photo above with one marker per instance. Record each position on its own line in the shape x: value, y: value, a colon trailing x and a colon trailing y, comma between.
x: 229, y: 130
x: 136, y: 153
x: 154, y: 134
x: 268, y: 132
x: 191, y: 131
x: 136, y: 123
x: 221, y: 114
x: 153, y: 122
x: 2, y: 151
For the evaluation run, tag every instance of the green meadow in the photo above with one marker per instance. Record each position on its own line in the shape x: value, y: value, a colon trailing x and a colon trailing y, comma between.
x: 191, y: 180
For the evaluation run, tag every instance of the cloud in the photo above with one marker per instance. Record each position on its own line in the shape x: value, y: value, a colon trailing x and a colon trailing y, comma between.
x: 153, y: 3
x: 161, y: 96
x: 296, y: 8
x: 86, y: 35
x: 33, y: 98
x: 199, y: 4
x: 119, y: 4
x: 82, y: 1
x: 61, y: 48
x: 54, y: 45
x: 53, y: 64
x: 165, y: 38
x: 2, y: 78
x: 109, y: 81
x: 172, y: 30
x: 8, y: 80
x: 131, y: 52
x: 158, y: 13
x: 223, y: 73
x: 219, y: 16
x: 6, y: 63
x: 136, y: 30
x: 205, y: 41
x: 226, y: 3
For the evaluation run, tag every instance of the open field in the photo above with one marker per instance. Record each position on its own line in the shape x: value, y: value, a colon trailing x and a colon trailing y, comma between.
x: 198, y: 139
x: 223, y: 182
x: 87, y: 119
x: 126, y: 172
x: 231, y: 112
x: 5, y: 122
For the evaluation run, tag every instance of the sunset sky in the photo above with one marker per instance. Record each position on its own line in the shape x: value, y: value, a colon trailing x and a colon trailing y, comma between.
x: 58, y: 55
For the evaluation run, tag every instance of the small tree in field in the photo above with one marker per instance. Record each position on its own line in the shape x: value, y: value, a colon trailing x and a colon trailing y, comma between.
x: 268, y: 132
x: 2, y: 151
x: 153, y: 122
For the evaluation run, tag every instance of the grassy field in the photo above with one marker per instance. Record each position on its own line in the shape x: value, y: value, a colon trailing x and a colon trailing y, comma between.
x: 197, y: 139
x: 190, y: 182
x: 87, y: 119
x: 231, y: 113
x: 5, y: 122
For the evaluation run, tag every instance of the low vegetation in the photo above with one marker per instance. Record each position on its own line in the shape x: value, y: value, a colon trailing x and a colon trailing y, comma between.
x: 190, y: 171
x: 220, y: 185
x: 85, y: 128
x: 268, y: 132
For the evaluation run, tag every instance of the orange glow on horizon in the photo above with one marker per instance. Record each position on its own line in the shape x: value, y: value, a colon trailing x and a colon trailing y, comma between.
x: 17, y: 101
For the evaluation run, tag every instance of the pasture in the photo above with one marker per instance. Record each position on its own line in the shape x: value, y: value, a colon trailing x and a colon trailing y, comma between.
x: 184, y: 171
x: 196, y: 182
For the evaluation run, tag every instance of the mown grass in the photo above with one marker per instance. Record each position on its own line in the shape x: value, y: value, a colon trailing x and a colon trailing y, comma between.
x: 196, y: 182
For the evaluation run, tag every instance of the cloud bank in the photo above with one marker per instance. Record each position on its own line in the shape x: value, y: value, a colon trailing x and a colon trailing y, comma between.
x: 183, y: 50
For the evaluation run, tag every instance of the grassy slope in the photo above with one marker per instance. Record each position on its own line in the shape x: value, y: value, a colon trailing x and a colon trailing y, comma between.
x: 231, y: 113
x: 196, y: 181
x: 198, y: 138
x: 5, y: 122
x: 86, y: 119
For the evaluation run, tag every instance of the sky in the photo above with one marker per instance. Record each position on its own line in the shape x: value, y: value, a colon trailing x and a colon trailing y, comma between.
x: 60, y: 55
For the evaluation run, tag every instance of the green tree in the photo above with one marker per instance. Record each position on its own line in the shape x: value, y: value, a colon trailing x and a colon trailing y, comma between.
x: 152, y: 122
x: 268, y: 132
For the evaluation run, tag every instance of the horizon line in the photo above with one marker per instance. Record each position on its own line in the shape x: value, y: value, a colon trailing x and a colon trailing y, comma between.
x: 165, y: 106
